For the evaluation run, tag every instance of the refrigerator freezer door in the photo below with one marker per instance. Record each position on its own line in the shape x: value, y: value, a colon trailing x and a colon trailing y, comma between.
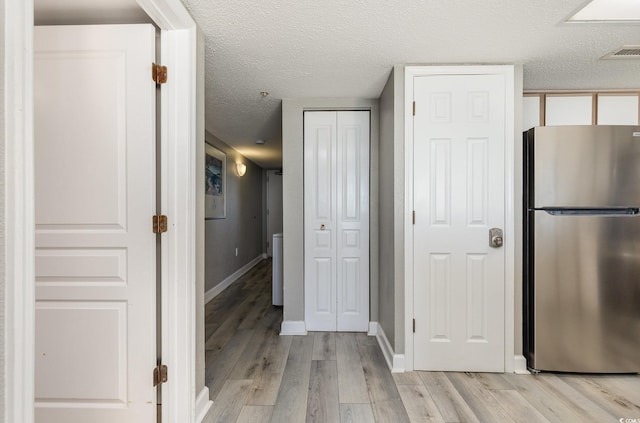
x: 585, y: 166
x: 587, y: 291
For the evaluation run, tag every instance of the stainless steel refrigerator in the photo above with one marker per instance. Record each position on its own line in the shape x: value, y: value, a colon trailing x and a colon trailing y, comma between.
x: 581, y: 259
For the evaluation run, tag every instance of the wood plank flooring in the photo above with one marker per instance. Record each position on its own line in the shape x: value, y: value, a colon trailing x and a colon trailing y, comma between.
x: 254, y: 375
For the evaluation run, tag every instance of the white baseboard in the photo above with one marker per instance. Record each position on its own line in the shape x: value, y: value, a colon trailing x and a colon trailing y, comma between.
x: 394, y: 361
x: 520, y: 365
x: 373, y: 328
x: 203, y: 405
x: 398, y: 363
x: 216, y: 290
x: 293, y: 327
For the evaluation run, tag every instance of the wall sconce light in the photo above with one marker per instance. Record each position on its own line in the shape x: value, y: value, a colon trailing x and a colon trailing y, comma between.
x: 241, y: 169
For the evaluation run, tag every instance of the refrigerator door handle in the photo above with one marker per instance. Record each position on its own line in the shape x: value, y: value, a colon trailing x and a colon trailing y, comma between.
x: 591, y: 211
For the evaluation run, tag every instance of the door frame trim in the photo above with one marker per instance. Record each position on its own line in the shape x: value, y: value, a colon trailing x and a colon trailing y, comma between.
x: 508, y: 73
x: 18, y: 207
x: 267, y: 174
x: 180, y: 136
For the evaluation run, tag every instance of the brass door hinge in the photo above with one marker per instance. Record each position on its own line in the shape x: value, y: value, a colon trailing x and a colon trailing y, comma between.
x: 414, y: 325
x: 414, y: 108
x: 159, y: 224
x: 159, y: 74
x: 160, y: 375
x: 414, y: 217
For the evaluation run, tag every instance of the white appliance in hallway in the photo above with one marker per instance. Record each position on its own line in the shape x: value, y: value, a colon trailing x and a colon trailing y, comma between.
x: 336, y: 220
x: 277, y: 267
x: 95, y: 195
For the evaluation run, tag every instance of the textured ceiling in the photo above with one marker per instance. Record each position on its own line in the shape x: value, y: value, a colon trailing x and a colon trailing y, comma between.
x: 338, y: 48
x: 346, y: 48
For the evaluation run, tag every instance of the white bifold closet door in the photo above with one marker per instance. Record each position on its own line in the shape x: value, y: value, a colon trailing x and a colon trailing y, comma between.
x: 336, y: 212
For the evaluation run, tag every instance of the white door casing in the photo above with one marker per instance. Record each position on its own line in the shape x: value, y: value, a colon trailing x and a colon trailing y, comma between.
x: 274, y: 207
x: 336, y: 210
x: 459, y: 135
x: 95, y: 188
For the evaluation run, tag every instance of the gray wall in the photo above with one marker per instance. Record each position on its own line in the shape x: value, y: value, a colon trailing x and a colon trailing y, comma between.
x: 242, y: 228
x: 398, y: 207
x: 391, y: 263
x: 386, y: 265
x: 293, y: 197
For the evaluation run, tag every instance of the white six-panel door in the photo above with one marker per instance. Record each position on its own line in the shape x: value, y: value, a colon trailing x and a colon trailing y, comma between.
x: 459, y: 144
x: 95, y: 190
x: 336, y: 211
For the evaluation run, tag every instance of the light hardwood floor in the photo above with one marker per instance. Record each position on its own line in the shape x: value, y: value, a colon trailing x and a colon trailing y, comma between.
x: 255, y: 375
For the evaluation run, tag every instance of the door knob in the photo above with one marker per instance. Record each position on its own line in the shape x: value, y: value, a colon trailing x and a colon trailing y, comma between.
x: 496, y: 238
x: 322, y: 227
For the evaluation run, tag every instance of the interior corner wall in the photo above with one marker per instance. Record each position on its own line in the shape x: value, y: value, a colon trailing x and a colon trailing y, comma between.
x: 392, y: 197
x: 293, y: 197
x: 242, y: 227
x: 399, y: 211
x: 386, y: 264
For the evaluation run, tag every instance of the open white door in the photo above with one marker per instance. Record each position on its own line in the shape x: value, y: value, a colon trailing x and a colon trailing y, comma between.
x: 459, y: 195
x: 95, y: 194
x: 336, y: 212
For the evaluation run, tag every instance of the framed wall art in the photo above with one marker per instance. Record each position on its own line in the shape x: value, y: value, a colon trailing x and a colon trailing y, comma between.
x: 215, y: 170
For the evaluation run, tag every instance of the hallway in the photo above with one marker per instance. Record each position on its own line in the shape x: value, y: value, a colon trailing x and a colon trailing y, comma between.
x: 254, y: 375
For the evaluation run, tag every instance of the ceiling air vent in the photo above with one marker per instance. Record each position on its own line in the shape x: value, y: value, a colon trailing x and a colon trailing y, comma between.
x: 625, y: 52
